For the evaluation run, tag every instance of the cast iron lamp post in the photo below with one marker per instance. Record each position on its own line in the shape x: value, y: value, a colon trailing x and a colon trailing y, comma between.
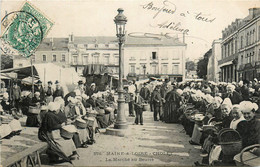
x: 120, y: 21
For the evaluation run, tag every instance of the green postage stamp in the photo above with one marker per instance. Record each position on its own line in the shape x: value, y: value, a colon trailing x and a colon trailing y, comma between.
x: 26, y: 30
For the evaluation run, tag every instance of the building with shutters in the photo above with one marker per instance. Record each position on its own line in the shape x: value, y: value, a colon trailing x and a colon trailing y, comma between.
x: 241, y: 49
x: 164, y: 57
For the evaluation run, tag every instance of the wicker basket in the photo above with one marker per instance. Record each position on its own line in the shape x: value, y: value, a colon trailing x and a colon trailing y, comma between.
x: 68, y: 131
x: 101, y: 111
x: 230, y: 141
x: 91, y: 114
x: 34, y: 110
x: 81, y: 123
x: 146, y: 107
x: 231, y: 148
x: 90, y: 121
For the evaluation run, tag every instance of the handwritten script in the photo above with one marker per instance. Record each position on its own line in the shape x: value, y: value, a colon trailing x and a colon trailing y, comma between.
x: 169, y: 8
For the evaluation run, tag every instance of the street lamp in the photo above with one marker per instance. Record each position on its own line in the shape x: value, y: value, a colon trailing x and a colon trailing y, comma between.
x: 120, y: 21
x: 144, y: 67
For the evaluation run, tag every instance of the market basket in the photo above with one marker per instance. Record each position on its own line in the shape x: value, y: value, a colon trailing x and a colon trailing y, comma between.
x: 68, y: 131
x: 90, y: 121
x: 230, y: 141
x: 80, y: 123
x: 145, y: 107
x: 34, y: 110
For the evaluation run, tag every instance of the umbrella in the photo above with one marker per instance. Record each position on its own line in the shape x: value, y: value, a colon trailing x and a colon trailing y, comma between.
x: 54, y: 147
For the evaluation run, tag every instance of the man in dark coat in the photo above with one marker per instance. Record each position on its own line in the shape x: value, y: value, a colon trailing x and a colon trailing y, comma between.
x: 157, y: 102
x: 39, y: 88
x: 138, y: 108
x: 15, y: 95
x: 234, y: 96
x: 145, y: 92
x: 59, y: 91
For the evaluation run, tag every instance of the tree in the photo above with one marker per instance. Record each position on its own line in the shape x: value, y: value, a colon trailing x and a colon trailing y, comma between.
x: 190, y: 66
x: 6, y: 62
x: 203, y: 64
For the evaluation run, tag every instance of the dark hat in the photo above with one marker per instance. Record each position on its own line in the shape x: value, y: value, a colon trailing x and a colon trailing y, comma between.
x: 80, y: 82
x: 57, y: 82
x: 145, y: 83
x: 49, y: 82
x: 39, y: 82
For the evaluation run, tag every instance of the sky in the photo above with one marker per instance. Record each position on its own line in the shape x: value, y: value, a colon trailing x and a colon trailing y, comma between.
x: 203, y: 20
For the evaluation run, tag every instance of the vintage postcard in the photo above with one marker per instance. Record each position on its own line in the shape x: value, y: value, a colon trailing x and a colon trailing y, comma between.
x: 130, y: 82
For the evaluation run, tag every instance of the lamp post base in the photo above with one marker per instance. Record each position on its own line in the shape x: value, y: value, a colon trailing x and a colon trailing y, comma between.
x: 122, y: 125
x: 116, y: 132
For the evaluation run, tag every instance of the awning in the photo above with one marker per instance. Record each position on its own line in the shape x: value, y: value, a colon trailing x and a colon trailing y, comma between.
x: 225, y: 64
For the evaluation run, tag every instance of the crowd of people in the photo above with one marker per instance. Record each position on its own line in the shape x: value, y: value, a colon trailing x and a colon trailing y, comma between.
x: 209, y: 112
x: 65, y: 121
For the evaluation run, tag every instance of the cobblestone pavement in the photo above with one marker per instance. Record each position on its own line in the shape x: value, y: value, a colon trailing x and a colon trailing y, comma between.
x: 153, y: 144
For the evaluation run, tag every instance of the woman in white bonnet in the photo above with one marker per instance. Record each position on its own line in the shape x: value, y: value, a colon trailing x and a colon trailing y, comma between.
x: 237, y: 116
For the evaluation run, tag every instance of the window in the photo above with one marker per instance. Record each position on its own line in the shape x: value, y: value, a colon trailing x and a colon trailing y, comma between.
x: 164, y: 69
x: 20, y: 65
x: 96, y: 59
x: 154, y: 69
x: 259, y: 33
x: 175, y: 69
x: 54, y: 58
x: 132, y: 69
x: 96, y: 45
x: 75, y: 45
x: 44, y: 58
x: 235, y: 46
x: 85, y: 59
x: 242, y: 60
x: 107, y: 45
x: 154, y: 56
x: 116, y: 59
x: 106, y: 59
x: 75, y: 59
x: 247, y: 38
x: 86, y: 45
x: 241, y: 42
x: 63, y: 57
x: 232, y: 47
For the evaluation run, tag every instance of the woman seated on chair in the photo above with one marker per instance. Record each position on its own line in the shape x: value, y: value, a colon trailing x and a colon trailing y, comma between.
x: 251, y: 133
x: 50, y: 128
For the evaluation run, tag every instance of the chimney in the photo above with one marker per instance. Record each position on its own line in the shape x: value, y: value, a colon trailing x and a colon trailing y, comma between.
x: 51, y: 41
x: 254, y: 12
x: 71, y: 37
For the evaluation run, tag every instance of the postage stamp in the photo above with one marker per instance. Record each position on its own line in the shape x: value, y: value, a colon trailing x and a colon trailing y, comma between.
x: 26, y: 30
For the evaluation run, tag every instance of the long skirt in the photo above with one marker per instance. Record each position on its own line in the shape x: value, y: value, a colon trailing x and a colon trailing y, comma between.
x: 66, y: 146
x: 171, y: 113
x: 83, y: 135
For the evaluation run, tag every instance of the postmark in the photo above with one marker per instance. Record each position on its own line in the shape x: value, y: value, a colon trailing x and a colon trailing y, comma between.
x: 25, y: 31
